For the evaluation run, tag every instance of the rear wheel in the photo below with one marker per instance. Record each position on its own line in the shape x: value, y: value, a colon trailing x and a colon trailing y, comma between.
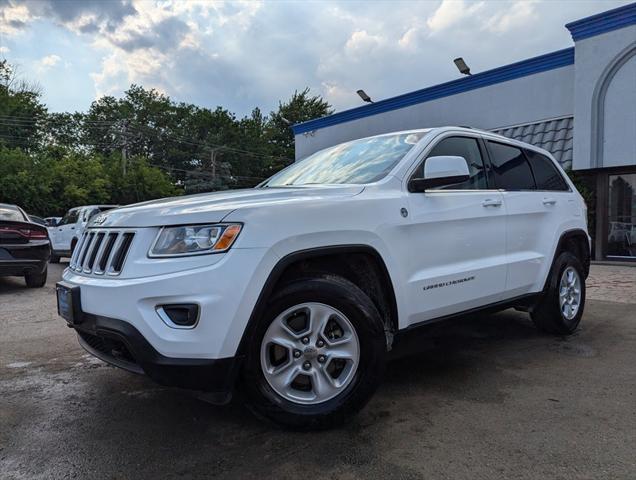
x: 318, y: 354
x: 561, y: 308
x: 54, y: 258
x: 36, y: 280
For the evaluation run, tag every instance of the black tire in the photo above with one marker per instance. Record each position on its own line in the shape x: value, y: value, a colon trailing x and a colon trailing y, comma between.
x: 346, y: 297
x: 54, y: 258
x: 36, y: 280
x: 547, y: 314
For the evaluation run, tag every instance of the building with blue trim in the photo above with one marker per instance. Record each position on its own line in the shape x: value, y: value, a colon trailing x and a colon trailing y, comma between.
x: 579, y: 103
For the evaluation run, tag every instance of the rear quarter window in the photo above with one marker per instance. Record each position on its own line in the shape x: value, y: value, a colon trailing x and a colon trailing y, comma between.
x: 546, y: 174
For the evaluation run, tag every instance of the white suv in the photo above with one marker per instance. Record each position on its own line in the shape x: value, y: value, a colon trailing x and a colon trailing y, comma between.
x: 294, y: 291
x: 65, y: 233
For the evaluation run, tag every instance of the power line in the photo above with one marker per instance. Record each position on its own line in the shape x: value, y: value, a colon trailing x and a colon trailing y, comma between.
x: 23, y: 121
x: 25, y: 140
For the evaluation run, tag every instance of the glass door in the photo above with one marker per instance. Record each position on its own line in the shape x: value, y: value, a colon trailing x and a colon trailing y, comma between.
x: 621, y: 236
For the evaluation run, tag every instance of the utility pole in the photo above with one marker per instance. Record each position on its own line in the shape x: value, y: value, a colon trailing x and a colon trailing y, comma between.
x: 124, y: 145
x: 213, y: 162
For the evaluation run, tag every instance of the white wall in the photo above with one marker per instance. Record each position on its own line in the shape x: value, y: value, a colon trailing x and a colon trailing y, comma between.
x: 605, y: 100
x: 619, y: 132
x: 523, y: 100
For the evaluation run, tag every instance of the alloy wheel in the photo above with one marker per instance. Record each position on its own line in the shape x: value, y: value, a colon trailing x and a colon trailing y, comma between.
x: 310, y: 353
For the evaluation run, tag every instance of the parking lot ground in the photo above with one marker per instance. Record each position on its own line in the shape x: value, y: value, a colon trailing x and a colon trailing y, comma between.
x: 483, y: 397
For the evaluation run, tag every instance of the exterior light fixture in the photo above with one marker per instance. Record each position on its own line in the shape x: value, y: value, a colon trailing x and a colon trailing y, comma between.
x: 461, y: 66
x: 364, y: 96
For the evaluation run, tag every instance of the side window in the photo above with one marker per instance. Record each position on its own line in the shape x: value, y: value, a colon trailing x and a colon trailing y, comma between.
x: 70, y: 217
x: 511, y: 168
x: 90, y: 214
x: 462, y: 147
x: 546, y: 174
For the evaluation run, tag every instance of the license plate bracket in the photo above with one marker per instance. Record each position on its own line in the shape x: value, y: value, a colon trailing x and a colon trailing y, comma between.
x: 69, y: 305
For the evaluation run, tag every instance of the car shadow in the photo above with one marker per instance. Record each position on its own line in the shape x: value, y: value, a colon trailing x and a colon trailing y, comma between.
x: 10, y: 285
x: 444, y: 353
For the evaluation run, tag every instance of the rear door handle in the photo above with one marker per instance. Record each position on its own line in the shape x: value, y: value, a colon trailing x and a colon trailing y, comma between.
x: 489, y: 202
x: 549, y: 201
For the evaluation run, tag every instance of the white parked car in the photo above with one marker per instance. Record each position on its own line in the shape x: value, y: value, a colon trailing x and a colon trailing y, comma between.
x: 65, y: 234
x: 295, y: 291
x: 52, y: 221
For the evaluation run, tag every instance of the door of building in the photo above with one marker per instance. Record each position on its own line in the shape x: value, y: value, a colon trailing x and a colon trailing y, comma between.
x: 621, y: 219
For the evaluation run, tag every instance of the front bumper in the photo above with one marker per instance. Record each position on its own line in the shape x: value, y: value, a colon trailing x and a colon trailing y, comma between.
x: 225, y: 288
x: 120, y: 344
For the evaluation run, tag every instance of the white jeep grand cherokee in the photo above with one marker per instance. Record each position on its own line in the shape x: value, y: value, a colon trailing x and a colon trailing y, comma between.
x: 294, y: 291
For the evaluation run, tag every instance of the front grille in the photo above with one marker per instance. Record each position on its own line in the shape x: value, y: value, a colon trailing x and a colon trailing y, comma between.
x: 101, y: 251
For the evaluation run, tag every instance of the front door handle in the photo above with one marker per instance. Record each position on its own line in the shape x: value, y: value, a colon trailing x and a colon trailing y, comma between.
x: 489, y: 202
x: 549, y: 201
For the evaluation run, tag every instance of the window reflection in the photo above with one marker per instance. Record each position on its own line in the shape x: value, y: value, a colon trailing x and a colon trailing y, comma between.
x: 360, y: 161
x: 621, y: 238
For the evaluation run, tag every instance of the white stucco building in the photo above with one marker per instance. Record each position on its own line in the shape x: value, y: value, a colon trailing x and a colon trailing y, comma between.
x: 578, y: 103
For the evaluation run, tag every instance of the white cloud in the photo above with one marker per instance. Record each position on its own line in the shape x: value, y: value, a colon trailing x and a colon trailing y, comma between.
x: 451, y: 12
x: 13, y: 18
x: 362, y: 43
x: 48, y: 62
x: 4, y: 49
x: 519, y: 14
x: 242, y: 54
x: 409, y: 39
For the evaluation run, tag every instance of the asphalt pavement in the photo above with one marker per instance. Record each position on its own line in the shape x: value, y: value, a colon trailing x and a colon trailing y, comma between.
x: 484, y: 397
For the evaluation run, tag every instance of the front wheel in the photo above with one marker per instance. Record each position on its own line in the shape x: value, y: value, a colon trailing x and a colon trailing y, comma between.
x: 318, y: 354
x: 560, y: 309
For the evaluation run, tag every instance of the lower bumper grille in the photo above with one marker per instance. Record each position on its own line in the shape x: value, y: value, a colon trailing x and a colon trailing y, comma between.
x: 111, y: 351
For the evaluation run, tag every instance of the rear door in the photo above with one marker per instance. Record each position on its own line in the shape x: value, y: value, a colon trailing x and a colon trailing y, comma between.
x: 457, y: 255
x: 557, y: 204
x: 533, y: 213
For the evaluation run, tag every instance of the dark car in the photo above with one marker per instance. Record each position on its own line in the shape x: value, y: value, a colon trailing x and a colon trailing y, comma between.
x: 24, y: 246
x: 38, y: 220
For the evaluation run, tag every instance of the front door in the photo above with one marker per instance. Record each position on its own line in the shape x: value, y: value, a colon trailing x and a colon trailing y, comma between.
x: 457, y: 259
x: 65, y: 230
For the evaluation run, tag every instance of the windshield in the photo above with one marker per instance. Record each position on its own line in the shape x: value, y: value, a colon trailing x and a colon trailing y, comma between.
x: 360, y: 161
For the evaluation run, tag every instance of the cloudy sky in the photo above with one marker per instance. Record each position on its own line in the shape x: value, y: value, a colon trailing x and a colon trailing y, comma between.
x: 242, y: 54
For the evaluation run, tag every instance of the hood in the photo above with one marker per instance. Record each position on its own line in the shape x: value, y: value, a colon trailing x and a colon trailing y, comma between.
x: 215, y: 206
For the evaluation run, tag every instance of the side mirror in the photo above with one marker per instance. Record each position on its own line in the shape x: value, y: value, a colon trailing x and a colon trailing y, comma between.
x: 438, y: 171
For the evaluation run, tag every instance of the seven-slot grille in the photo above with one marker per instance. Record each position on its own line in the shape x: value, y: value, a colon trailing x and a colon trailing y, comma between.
x: 101, y: 251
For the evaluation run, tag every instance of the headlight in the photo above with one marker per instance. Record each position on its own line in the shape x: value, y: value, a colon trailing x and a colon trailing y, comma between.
x: 194, y: 240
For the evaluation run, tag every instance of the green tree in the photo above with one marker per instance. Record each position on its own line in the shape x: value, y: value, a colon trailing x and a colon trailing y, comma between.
x: 22, y: 114
x: 140, y: 183
x: 50, y: 162
x: 78, y: 179
x: 24, y: 181
x: 301, y: 107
